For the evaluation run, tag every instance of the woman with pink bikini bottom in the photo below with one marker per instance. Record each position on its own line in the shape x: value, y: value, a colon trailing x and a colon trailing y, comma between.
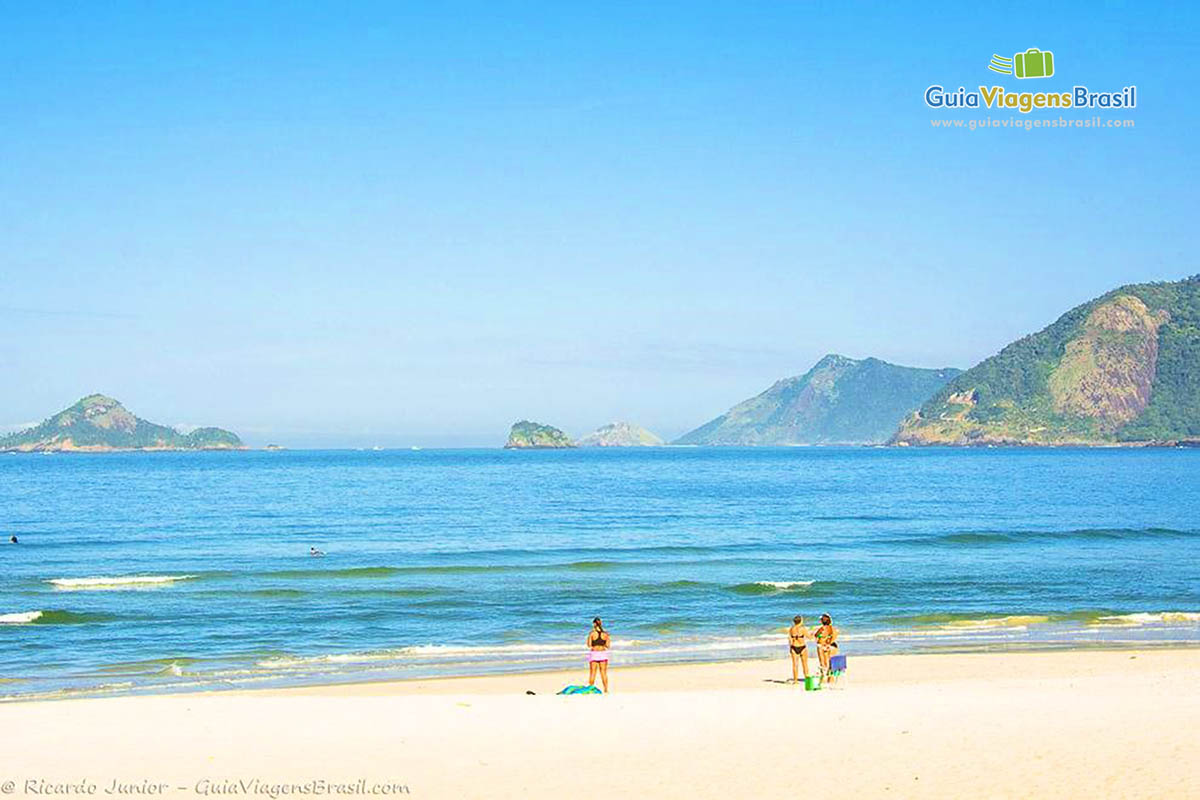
x: 598, y: 642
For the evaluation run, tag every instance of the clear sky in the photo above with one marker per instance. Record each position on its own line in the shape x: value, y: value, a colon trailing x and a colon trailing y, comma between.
x: 360, y: 223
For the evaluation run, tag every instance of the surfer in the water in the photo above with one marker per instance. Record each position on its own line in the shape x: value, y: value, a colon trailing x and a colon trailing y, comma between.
x: 13, y: 538
x: 312, y: 551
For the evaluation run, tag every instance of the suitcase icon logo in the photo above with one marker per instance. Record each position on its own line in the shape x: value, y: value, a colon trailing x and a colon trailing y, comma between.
x: 1033, y: 63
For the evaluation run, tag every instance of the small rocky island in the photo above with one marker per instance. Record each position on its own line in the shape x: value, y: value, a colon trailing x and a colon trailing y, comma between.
x: 621, y: 434
x: 101, y: 424
x: 526, y: 435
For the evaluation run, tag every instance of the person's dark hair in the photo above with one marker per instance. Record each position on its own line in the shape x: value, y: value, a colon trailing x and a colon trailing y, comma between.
x: 599, y: 625
x: 826, y: 619
x: 797, y: 619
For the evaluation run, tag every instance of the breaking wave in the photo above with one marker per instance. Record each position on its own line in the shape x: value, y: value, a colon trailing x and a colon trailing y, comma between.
x: 118, y: 582
x: 770, y: 587
x: 965, y: 622
x: 53, y: 617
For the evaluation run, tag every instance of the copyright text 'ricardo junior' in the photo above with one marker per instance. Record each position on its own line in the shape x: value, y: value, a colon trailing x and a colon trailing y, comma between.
x: 204, y: 787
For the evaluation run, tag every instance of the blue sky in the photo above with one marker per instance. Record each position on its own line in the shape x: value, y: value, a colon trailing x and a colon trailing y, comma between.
x: 347, y: 224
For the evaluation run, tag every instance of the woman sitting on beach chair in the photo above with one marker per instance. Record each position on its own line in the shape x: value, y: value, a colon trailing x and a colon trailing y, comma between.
x: 827, y: 642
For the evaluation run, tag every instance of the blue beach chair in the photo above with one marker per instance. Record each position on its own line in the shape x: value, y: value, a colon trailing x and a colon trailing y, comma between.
x: 837, y: 672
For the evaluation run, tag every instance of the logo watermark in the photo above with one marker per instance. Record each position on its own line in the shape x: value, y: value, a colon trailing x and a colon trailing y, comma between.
x: 1028, y: 124
x: 1033, y: 63
x: 996, y: 97
x: 1030, y: 64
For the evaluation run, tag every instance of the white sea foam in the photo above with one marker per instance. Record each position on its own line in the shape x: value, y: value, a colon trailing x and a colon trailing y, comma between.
x: 960, y: 628
x: 1015, y: 621
x: 421, y: 652
x: 501, y: 649
x: 117, y: 582
x: 785, y: 585
x: 433, y: 654
x: 20, y: 618
x: 290, y: 662
x: 1144, y: 618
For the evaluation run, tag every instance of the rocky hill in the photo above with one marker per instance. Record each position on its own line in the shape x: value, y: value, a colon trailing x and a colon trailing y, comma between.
x: 533, y: 435
x: 1124, y: 367
x: 839, y: 401
x: 99, y: 423
x: 621, y: 434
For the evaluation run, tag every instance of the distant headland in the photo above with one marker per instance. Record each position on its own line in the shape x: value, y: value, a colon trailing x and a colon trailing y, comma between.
x: 1122, y: 369
x: 839, y: 401
x: 98, y: 423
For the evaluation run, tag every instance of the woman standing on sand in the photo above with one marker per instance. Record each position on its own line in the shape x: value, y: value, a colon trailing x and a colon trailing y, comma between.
x: 827, y: 642
x: 598, y: 642
x: 798, y: 647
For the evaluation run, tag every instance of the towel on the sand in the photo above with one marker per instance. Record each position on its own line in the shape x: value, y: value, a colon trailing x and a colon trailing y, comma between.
x: 580, y: 690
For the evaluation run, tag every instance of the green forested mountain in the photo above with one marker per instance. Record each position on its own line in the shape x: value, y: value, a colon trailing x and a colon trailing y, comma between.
x: 533, y: 435
x: 1124, y: 367
x: 101, y: 423
x: 839, y: 401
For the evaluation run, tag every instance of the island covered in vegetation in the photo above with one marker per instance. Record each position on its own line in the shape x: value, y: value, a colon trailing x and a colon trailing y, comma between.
x: 98, y: 423
x: 1122, y: 368
x: 526, y: 435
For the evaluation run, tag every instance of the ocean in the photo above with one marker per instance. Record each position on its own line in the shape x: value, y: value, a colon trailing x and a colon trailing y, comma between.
x: 151, y: 572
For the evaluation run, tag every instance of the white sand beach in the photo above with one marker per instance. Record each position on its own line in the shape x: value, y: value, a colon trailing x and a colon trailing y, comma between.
x: 1113, y: 723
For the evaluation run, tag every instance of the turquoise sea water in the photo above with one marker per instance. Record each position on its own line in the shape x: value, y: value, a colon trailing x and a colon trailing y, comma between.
x: 168, y: 571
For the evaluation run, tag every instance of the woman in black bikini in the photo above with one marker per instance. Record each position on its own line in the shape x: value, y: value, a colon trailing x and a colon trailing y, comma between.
x: 798, y: 647
x: 598, y: 642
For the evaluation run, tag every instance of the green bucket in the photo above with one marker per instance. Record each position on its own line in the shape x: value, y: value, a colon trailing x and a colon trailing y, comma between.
x: 812, y: 683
